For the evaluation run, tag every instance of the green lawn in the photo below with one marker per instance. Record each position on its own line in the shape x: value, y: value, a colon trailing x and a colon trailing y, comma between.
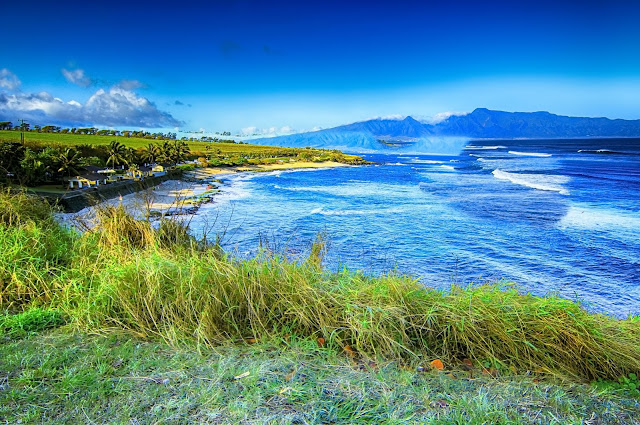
x: 134, y: 142
x: 75, y: 378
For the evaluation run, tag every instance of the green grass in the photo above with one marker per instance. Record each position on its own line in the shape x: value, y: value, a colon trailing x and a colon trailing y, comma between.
x: 64, y: 377
x: 357, y: 342
x: 204, y: 148
x: 162, y: 283
x: 29, y: 322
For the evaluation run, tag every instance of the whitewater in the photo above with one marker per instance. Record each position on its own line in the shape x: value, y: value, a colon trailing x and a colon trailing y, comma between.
x: 553, y: 216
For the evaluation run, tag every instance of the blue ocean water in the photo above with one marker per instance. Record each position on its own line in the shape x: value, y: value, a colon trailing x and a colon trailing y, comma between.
x: 557, y: 216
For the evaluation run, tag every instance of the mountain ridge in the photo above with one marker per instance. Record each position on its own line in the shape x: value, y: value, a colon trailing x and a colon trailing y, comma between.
x: 482, y: 123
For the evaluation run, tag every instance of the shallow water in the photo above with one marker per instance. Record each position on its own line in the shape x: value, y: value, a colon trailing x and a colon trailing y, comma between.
x: 553, y: 216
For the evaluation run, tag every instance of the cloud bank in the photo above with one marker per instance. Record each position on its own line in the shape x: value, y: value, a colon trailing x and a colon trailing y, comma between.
x: 442, y: 116
x: 116, y: 106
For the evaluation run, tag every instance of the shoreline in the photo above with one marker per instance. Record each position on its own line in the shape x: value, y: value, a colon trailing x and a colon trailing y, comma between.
x: 185, y: 195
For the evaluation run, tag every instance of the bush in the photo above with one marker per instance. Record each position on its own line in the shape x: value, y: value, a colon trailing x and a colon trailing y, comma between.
x: 29, y: 322
x: 185, y: 167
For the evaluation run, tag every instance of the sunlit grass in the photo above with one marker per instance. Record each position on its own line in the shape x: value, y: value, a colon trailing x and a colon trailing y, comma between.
x: 126, y: 274
x: 65, y: 377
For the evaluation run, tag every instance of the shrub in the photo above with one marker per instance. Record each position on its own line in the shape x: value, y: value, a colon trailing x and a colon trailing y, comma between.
x: 29, y: 322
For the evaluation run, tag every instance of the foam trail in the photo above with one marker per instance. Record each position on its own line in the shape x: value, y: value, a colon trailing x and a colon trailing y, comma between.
x: 587, y: 217
x: 534, y: 181
x: 538, y: 154
x: 426, y: 161
x: 484, y: 147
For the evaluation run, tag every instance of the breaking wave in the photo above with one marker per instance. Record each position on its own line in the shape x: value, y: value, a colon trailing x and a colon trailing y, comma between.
x: 543, y: 155
x: 535, y: 181
x: 470, y: 147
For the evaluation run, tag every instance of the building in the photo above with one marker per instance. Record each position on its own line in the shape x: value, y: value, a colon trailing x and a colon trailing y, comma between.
x: 88, y: 180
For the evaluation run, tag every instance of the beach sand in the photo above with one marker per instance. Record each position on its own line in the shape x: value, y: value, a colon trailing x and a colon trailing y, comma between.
x: 181, y: 196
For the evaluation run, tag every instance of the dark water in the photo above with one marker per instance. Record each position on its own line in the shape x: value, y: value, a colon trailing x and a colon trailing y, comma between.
x: 553, y: 216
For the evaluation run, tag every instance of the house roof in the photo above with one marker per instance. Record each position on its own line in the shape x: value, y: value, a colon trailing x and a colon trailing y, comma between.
x: 91, y: 177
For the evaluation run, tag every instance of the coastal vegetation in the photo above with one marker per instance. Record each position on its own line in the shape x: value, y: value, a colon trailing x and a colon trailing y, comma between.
x: 39, y: 158
x: 401, y: 350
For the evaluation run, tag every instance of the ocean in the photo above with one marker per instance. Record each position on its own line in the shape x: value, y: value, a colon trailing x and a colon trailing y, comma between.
x: 553, y: 216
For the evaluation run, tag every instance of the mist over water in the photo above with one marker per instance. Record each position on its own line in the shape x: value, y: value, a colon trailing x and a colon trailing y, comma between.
x: 553, y: 216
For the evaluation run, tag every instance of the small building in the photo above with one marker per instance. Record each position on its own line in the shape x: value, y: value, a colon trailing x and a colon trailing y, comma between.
x: 88, y: 180
x: 159, y: 169
x: 139, y: 173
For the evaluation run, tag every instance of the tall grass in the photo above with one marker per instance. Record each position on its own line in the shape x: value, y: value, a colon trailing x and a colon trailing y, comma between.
x: 161, y: 282
x: 34, y: 249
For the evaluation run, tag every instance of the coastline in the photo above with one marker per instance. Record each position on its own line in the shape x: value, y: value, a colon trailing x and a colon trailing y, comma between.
x: 185, y: 195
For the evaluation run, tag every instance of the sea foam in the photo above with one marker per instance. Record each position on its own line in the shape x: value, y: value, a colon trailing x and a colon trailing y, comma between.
x: 538, y: 154
x: 535, y: 181
x: 586, y: 217
x: 469, y: 147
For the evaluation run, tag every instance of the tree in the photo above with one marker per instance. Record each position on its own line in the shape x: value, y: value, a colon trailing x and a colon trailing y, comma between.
x: 6, y: 125
x: 151, y: 153
x: 69, y: 162
x: 37, y: 166
x: 175, y: 151
x: 11, y: 153
x: 117, y: 154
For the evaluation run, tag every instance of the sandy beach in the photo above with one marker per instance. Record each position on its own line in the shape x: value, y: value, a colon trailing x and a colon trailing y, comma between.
x: 185, y: 196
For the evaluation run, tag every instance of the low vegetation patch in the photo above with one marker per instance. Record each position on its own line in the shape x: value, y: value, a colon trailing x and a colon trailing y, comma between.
x: 74, y: 378
x: 29, y: 322
x: 163, y: 283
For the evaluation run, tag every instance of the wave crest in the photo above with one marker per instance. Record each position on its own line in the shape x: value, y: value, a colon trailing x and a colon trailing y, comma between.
x: 535, y: 181
x: 538, y: 154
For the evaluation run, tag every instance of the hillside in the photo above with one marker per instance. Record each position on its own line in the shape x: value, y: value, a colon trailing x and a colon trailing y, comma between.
x: 450, y: 135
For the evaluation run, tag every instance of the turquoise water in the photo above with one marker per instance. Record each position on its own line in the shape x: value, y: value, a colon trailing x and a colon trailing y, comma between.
x: 552, y: 216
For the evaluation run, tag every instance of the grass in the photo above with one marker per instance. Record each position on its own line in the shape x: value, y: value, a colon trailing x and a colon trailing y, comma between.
x: 162, y: 284
x: 65, y: 377
x: 29, y: 322
x: 204, y: 148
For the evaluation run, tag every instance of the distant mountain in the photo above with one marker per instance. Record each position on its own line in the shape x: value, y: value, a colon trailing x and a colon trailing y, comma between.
x: 450, y: 135
x: 484, y: 123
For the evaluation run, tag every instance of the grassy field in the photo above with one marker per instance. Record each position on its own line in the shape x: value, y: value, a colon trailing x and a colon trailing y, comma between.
x: 133, y: 142
x: 192, y: 335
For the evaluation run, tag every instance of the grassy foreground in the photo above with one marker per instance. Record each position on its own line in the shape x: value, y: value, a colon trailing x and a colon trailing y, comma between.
x: 60, y: 377
x: 362, y: 340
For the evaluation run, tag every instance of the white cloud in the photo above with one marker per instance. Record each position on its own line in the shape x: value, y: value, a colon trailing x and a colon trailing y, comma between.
x: 267, y: 132
x: 77, y: 77
x: 124, y: 107
x: 113, y: 107
x: 396, y: 117
x: 439, y: 117
x: 8, y: 80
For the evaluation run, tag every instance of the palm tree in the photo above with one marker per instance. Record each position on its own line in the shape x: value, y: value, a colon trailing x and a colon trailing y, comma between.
x: 69, y: 162
x: 151, y: 153
x: 174, y: 152
x: 182, y: 150
x: 117, y: 154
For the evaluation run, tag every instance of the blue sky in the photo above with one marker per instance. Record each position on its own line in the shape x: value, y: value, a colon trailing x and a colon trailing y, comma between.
x: 280, y: 66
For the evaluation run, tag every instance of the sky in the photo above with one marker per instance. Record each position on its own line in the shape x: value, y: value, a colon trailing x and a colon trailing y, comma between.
x: 277, y: 67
